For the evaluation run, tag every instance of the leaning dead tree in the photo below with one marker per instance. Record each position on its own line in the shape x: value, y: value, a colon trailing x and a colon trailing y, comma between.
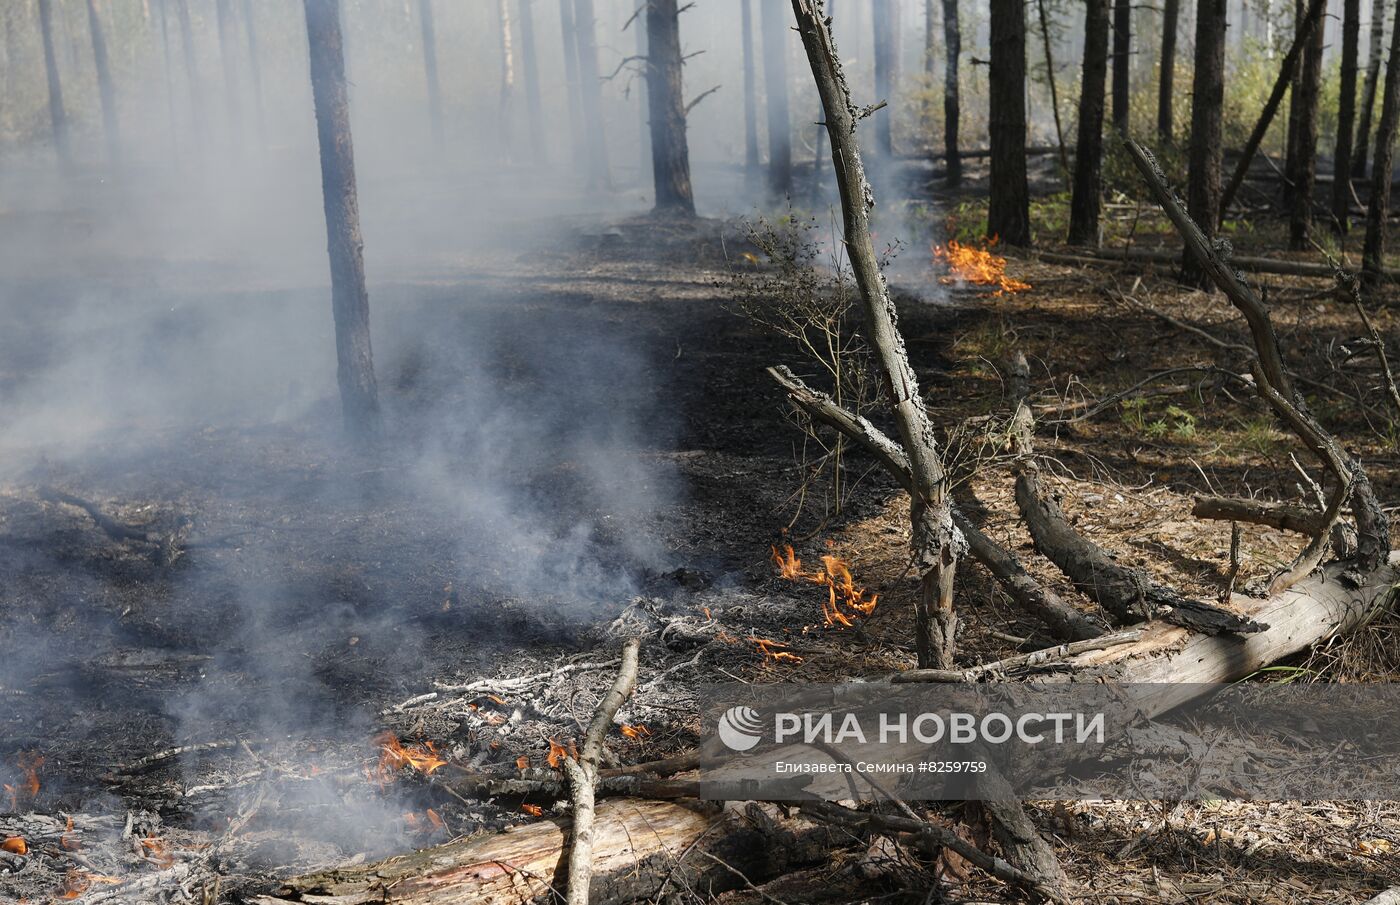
x: 670, y: 152
x: 359, y: 393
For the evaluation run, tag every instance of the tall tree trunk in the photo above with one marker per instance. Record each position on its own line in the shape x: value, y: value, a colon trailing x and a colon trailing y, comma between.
x: 952, y: 104
x: 591, y: 87
x: 1054, y: 91
x: 1382, y: 167
x: 255, y: 70
x: 1368, y: 92
x: 1295, y: 99
x: 1207, y: 108
x: 644, y: 146
x: 169, y: 78
x: 1122, y: 58
x: 1088, y: 154
x: 885, y: 28
x: 1008, y: 210
x: 775, y: 29
x: 1166, y: 76
x: 1305, y: 145
x: 507, y: 102
x: 106, y: 92
x: 1346, y: 116
x: 182, y: 12
x: 228, y: 56
x: 670, y: 156
x: 573, y: 86
x: 530, y: 75
x: 936, y: 543
x: 58, y: 116
x: 751, y: 161
x: 430, y: 69
x: 359, y: 394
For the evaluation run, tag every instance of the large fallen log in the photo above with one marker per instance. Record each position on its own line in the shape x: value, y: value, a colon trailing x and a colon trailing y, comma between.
x: 641, y: 849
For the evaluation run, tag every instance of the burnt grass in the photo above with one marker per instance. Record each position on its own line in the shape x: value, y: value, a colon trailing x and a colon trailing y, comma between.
x: 321, y: 584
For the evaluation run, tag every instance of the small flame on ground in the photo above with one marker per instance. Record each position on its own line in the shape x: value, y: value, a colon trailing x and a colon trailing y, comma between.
x: 394, y: 755
x: 776, y: 651
x: 636, y: 730
x: 845, y: 602
x: 558, y: 752
x: 533, y: 810
x: 969, y: 264
x: 522, y: 763
x: 15, y: 845
x: 78, y: 882
x: 69, y: 839
x: 27, y: 789
x: 157, y: 852
x: 427, y: 825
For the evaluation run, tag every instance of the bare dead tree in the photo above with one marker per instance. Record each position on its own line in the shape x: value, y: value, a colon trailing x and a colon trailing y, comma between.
x: 359, y: 393
x: 591, y: 90
x: 106, y: 91
x: 228, y: 55
x: 58, y: 115
x: 1207, y: 108
x: 430, y: 69
x: 935, y: 542
x: 1122, y: 58
x: 1375, y: 51
x: 1166, y: 76
x: 1346, y: 116
x: 775, y: 28
x: 670, y: 153
x: 952, y: 105
x: 530, y: 75
x: 1088, y: 154
x: 1008, y: 210
x: 750, y: 91
x: 1383, y: 160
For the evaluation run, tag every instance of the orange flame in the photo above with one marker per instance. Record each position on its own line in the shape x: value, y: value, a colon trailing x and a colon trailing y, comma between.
x: 845, y: 603
x: 968, y: 264
x: 394, y: 755
x: 775, y: 651
x: 634, y: 731
x: 78, y: 882
x: 157, y: 853
x: 15, y: 845
x: 427, y: 825
x: 533, y: 810
x: 558, y: 752
x: 27, y: 789
x: 69, y: 839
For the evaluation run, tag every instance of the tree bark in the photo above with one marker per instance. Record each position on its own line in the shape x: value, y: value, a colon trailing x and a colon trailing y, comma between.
x: 775, y: 30
x: 1376, y: 49
x: 1054, y: 91
x: 58, y: 116
x: 182, y: 12
x: 1122, y: 57
x: 106, y: 92
x: 935, y: 541
x: 573, y: 88
x: 1166, y: 76
x: 1346, y: 116
x: 430, y: 69
x: 1207, y: 107
x: 952, y: 105
x: 228, y: 56
x: 1304, y: 157
x: 1088, y: 153
x: 359, y: 394
x: 591, y: 87
x: 670, y: 155
x: 530, y: 75
x: 1008, y: 209
x: 1383, y: 161
x: 885, y: 25
x: 255, y: 70
x: 644, y: 146
x: 751, y: 161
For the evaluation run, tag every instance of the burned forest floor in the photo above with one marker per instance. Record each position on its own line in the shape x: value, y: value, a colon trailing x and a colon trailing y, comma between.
x: 257, y: 651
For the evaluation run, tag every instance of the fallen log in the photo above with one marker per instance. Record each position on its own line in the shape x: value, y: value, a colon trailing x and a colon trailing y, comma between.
x: 641, y: 849
x: 1294, y: 517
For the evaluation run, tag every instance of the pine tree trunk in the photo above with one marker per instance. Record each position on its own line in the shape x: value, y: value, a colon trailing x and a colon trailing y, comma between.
x: 1346, y: 116
x: 530, y: 75
x: 639, y: 29
x: 105, y: 90
x: 1008, y: 210
x: 228, y: 56
x: 1368, y: 91
x: 359, y: 394
x: 775, y: 30
x: 751, y: 161
x: 255, y: 70
x: 1166, y: 77
x: 1088, y: 155
x: 885, y: 28
x: 1054, y: 91
x: 430, y: 69
x: 1382, y: 167
x: 573, y: 88
x: 1295, y: 99
x: 1305, y: 145
x: 1207, y: 108
x: 58, y: 116
x: 192, y: 72
x: 1122, y: 57
x: 591, y: 89
x: 952, y: 104
x: 670, y: 156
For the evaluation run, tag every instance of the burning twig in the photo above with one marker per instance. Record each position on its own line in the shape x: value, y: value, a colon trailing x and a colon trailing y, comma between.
x: 775, y: 651
x: 968, y: 264
x: 845, y: 602
x: 26, y: 789
x: 394, y: 755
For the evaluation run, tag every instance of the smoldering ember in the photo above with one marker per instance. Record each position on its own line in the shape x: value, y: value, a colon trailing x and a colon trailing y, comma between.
x: 409, y: 407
